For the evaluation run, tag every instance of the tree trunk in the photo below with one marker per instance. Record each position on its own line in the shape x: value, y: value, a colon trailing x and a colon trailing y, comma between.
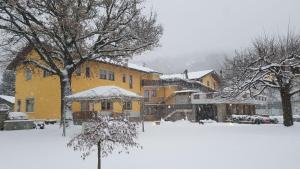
x: 99, y: 154
x: 286, y: 107
x: 65, y: 90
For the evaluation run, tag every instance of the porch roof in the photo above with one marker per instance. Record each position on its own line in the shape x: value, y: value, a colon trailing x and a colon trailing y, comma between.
x: 104, y: 93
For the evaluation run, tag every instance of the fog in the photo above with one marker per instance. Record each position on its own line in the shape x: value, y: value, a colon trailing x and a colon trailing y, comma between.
x: 199, y: 33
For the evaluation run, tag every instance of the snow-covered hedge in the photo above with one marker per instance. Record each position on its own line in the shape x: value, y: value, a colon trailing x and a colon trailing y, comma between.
x: 17, y: 116
x: 257, y: 119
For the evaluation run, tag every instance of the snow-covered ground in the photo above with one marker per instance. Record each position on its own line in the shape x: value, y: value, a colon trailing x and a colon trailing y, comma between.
x: 180, y: 145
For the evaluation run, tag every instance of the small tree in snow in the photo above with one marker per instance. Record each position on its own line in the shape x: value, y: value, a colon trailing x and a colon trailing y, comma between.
x: 67, y: 33
x: 272, y: 62
x: 104, y: 134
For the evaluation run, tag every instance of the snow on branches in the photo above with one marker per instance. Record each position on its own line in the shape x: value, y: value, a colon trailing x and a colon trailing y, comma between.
x: 111, y: 133
x: 272, y: 62
x: 67, y: 33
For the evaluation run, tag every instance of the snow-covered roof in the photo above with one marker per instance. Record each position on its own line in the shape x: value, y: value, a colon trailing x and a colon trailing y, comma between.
x: 104, y: 92
x: 217, y: 99
x: 10, y: 99
x: 127, y: 64
x: 191, y: 75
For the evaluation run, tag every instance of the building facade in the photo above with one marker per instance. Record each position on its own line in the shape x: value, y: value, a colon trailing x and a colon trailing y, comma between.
x: 171, y: 94
x: 38, y: 92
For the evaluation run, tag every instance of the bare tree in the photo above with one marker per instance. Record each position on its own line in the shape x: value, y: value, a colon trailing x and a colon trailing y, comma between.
x: 104, y: 134
x: 67, y: 33
x: 272, y: 62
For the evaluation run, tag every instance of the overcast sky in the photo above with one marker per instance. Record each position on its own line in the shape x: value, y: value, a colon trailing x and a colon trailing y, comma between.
x: 198, y: 33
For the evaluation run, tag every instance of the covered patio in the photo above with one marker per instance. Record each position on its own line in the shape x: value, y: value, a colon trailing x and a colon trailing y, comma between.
x: 108, y: 100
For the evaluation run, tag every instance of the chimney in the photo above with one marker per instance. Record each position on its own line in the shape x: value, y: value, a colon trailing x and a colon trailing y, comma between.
x: 186, y: 74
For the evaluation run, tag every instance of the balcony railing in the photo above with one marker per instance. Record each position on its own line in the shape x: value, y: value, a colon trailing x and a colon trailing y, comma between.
x: 152, y: 83
x: 154, y: 100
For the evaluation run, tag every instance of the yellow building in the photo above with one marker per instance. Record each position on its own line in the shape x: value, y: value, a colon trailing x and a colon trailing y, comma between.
x: 172, y: 92
x: 38, y: 92
x: 208, y: 78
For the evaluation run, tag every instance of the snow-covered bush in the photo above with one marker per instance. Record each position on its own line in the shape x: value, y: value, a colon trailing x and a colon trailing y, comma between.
x: 207, y: 121
x: 105, y: 134
x: 17, y: 116
x: 257, y: 119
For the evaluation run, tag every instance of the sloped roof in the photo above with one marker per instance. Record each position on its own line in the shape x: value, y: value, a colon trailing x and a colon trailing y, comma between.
x: 127, y: 64
x: 103, y: 93
x: 28, y: 48
x: 191, y: 75
x: 10, y: 99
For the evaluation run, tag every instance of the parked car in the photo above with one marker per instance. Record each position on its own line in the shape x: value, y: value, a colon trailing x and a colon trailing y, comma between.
x: 253, y: 119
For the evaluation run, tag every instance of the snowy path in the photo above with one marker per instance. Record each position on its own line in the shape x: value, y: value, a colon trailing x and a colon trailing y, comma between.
x: 180, y: 145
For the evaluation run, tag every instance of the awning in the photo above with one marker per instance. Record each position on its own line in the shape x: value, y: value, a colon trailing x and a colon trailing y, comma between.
x: 104, y: 93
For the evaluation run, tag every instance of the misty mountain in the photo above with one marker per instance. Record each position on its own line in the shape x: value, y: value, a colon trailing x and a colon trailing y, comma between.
x: 178, y: 63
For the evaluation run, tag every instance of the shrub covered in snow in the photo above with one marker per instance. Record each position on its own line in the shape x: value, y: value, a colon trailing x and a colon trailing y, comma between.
x: 105, y: 134
x: 207, y: 121
x: 17, y: 116
x: 253, y: 119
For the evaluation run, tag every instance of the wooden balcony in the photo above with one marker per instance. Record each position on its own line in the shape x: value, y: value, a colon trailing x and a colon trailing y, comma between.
x: 153, y: 100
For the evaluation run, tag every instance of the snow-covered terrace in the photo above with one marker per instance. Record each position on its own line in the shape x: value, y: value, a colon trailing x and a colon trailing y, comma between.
x: 104, y: 93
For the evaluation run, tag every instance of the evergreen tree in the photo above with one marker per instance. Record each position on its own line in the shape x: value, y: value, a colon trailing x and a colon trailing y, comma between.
x: 7, y: 85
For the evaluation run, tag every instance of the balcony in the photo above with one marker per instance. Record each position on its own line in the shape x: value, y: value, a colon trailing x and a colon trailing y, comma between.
x: 153, y: 100
x: 152, y: 83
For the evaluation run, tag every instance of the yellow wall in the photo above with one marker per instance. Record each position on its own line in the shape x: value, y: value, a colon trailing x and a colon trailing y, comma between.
x: 169, y: 92
x: 211, y: 80
x: 46, y: 90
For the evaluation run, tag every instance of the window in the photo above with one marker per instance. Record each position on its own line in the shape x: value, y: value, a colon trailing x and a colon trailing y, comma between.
x: 130, y: 82
x: 111, y: 75
x: 207, y: 83
x: 78, y: 71
x: 86, y: 106
x: 127, y: 106
x: 209, y: 95
x: 196, y: 96
x: 30, y: 105
x: 153, y: 93
x: 18, y: 106
x: 124, y: 78
x: 146, y: 93
x: 87, y: 72
x: 106, y: 105
x: 102, y: 74
x: 47, y: 73
x: 214, y: 85
x: 28, y: 74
